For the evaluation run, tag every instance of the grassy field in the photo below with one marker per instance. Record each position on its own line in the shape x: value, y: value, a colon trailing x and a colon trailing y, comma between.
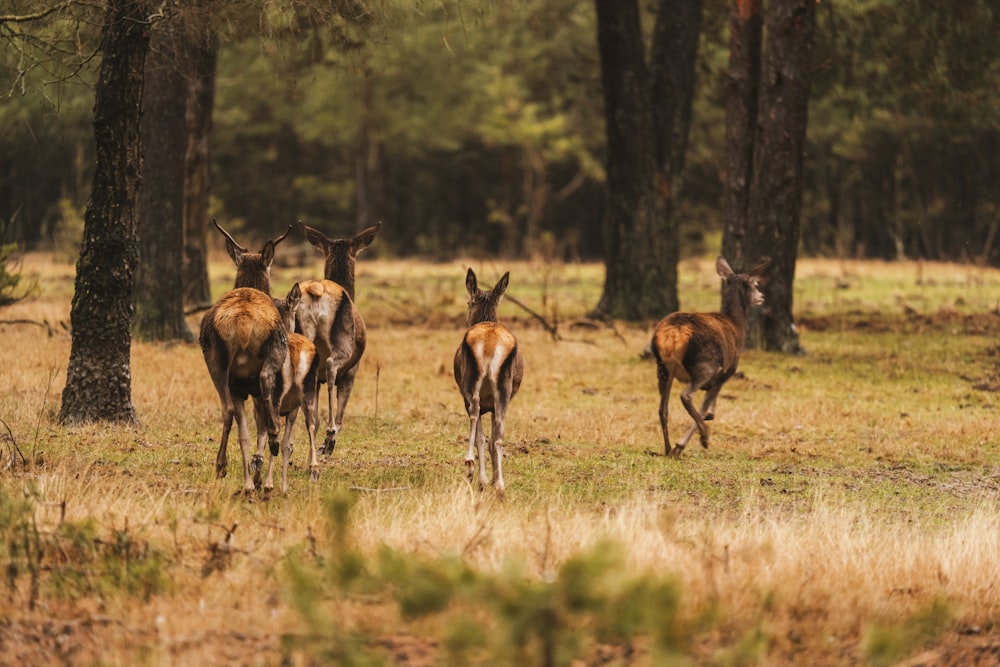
x: 847, y: 512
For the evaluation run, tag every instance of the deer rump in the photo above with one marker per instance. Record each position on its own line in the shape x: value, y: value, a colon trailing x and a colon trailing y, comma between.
x: 496, y: 347
x: 328, y: 318
x: 242, y: 334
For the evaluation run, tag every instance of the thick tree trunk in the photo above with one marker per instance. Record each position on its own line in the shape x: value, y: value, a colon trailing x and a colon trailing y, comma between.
x: 201, y: 62
x: 159, y: 289
x: 673, y: 57
x: 776, y: 199
x: 641, y: 278
x: 746, y: 21
x: 98, y: 377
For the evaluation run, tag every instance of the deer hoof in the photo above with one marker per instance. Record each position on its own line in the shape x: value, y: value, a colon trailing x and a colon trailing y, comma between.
x: 265, y: 493
x: 468, y: 471
x: 329, y: 444
x: 676, y: 452
x: 220, y: 471
x: 314, y: 473
x: 256, y: 465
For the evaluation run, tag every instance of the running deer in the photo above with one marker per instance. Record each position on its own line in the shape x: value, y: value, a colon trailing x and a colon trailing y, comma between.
x: 703, y: 349
x: 329, y: 318
x: 244, y: 345
x: 295, y: 389
x: 488, y: 371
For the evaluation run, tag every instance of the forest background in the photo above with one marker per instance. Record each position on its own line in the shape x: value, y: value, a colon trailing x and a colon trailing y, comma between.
x: 478, y: 129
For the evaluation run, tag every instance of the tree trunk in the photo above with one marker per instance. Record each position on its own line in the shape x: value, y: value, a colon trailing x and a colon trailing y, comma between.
x: 776, y: 199
x: 745, y: 24
x: 98, y: 377
x: 201, y: 64
x: 640, y: 278
x: 159, y: 293
x: 673, y: 57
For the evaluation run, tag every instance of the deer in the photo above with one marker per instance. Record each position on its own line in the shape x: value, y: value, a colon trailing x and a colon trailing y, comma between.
x: 703, y: 349
x: 488, y: 371
x: 329, y: 318
x: 296, y: 388
x: 244, y: 344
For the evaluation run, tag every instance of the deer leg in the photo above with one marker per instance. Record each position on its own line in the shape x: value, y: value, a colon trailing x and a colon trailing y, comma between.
x: 666, y: 380
x: 286, y: 450
x: 309, y: 409
x: 699, y: 423
x: 496, y: 450
x: 345, y: 385
x: 257, y: 462
x: 708, y: 407
x: 220, y: 378
x: 330, y: 442
x: 244, y: 437
x: 221, y: 458
x: 472, y: 406
x: 481, y: 452
x: 270, y: 408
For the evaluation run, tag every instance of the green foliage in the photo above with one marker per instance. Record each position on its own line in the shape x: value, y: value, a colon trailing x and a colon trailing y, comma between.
x: 10, y: 275
x: 888, y: 644
x: 73, y: 560
x: 506, y: 618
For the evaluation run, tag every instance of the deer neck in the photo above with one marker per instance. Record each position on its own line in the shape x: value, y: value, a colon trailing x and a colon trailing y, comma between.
x: 254, y: 278
x: 341, y: 271
x: 485, y: 313
x: 736, y: 305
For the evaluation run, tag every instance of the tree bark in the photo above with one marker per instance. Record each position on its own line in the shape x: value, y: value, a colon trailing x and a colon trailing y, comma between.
x: 673, y: 57
x: 98, y: 377
x: 640, y: 277
x: 159, y: 294
x: 746, y: 21
x: 776, y: 198
x: 201, y: 62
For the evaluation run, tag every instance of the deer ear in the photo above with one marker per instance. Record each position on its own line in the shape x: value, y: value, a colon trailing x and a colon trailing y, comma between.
x: 294, y: 297
x: 761, y: 267
x: 365, y: 237
x: 501, y: 285
x: 267, y: 253
x: 235, y: 252
x: 723, y: 269
x: 315, y: 237
x: 470, y: 283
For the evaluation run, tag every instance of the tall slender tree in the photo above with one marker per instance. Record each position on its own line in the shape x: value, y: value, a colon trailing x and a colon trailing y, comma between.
x: 98, y: 378
x: 201, y: 60
x: 776, y: 194
x: 746, y: 22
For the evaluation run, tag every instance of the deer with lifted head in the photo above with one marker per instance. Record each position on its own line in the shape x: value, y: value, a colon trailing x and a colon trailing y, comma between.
x: 295, y: 388
x: 328, y: 317
x: 245, y: 344
x: 488, y: 371
x: 703, y: 349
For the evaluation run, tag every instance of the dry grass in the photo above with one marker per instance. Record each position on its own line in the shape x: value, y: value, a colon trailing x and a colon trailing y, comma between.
x: 846, y: 492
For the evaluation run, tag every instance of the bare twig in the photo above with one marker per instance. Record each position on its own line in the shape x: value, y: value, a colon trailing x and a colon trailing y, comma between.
x: 26, y: 18
x: 15, y: 451
x: 44, y: 325
x: 551, y: 328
